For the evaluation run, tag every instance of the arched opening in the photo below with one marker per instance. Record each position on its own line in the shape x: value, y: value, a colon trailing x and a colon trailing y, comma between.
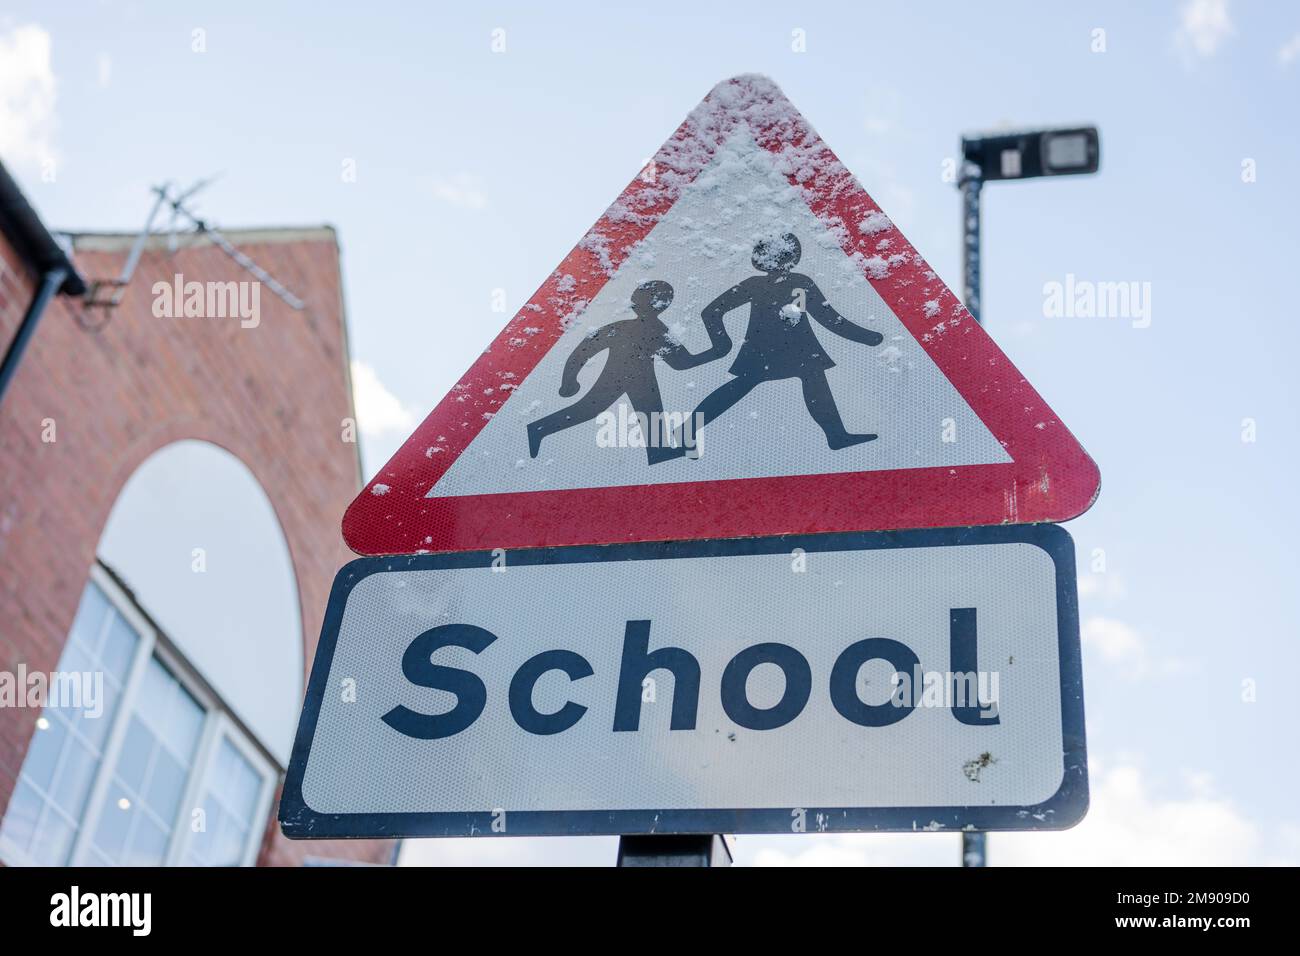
x: 186, y: 659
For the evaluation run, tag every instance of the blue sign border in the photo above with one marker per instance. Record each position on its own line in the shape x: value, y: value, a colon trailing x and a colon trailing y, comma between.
x: 1063, y: 809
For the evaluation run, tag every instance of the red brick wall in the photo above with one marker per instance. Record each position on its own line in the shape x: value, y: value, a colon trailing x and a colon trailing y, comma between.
x: 274, y: 396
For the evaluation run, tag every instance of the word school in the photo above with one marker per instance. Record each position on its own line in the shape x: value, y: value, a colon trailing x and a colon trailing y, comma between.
x: 968, y: 706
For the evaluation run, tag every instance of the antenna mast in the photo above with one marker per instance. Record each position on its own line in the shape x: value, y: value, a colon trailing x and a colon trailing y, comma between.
x: 108, y: 293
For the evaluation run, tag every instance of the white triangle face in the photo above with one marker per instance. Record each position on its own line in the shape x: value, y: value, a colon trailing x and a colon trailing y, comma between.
x: 702, y: 247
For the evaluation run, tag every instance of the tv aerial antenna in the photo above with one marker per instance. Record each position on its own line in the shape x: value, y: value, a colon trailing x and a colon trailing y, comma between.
x: 106, y: 294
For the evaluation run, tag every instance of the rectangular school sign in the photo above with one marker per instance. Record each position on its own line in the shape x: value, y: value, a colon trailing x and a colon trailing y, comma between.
x: 915, y: 680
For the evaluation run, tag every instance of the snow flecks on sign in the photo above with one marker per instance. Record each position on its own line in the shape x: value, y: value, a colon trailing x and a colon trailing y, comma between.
x: 876, y: 266
x: 740, y: 209
x: 931, y: 308
x: 598, y: 245
x: 891, y: 357
x: 571, y: 319
x: 750, y: 101
x: 379, y: 489
x: 875, y: 221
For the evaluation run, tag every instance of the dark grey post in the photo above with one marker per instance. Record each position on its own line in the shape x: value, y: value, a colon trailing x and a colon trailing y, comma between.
x: 703, y: 849
x: 973, y: 852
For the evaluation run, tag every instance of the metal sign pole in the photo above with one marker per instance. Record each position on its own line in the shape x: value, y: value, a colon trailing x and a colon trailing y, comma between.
x: 689, y: 849
x: 973, y: 844
x: 971, y: 183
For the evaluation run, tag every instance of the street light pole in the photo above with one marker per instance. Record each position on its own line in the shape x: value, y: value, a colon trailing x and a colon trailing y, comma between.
x: 1014, y: 155
x: 970, y: 184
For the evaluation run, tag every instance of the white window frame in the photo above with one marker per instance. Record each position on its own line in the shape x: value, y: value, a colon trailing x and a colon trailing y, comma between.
x: 220, y: 727
x: 217, y: 725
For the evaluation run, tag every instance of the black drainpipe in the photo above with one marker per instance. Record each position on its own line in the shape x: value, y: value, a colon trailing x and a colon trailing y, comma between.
x: 51, y: 282
x: 33, y: 244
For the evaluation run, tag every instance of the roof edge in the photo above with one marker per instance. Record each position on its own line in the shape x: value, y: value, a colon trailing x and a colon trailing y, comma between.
x: 90, y: 241
x: 29, y: 237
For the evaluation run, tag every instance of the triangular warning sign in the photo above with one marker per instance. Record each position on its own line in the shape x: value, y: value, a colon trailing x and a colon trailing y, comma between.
x: 744, y: 344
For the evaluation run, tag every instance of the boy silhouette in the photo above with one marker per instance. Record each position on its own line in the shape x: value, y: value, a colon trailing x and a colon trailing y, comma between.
x: 629, y: 370
x: 779, y: 341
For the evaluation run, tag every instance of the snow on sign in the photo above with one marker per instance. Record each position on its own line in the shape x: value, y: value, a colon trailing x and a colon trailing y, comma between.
x: 903, y: 680
x: 743, y: 344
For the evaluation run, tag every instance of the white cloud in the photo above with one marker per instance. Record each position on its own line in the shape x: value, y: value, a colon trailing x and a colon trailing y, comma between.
x: 1107, y: 586
x: 511, y: 851
x: 27, y: 94
x: 104, y: 64
x: 460, y: 190
x: 379, y: 411
x: 1128, y: 825
x: 851, y: 849
x: 1286, y: 55
x: 1204, y: 25
x: 1116, y: 642
x: 1127, y: 651
x: 884, y: 105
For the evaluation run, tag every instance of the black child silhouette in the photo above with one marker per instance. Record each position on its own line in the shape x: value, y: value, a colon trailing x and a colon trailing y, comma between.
x: 629, y: 370
x: 779, y: 341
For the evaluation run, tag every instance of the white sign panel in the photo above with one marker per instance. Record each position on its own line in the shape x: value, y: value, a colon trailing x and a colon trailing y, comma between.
x: 919, y: 680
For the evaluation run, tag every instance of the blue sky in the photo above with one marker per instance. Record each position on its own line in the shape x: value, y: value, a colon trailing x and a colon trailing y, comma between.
x: 478, y: 171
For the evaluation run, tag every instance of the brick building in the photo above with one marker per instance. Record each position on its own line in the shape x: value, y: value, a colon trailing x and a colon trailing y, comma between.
x: 170, y: 493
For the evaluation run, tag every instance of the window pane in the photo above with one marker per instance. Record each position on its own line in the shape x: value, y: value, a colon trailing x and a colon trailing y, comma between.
x: 76, y: 772
x: 66, y: 749
x: 201, y: 843
x: 155, y: 695
x: 152, y: 770
x: 184, y: 725
x: 234, y: 785
x: 118, y: 649
x: 74, y: 660
x: 21, y: 817
x: 155, y: 742
x: 43, y: 754
x: 89, y: 622
x: 228, y: 848
x: 238, y: 783
x: 170, y: 711
x: 54, y: 838
x: 114, y: 824
x: 166, y: 783
x: 133, y: 761
x: 95, y: 728
x: 148, y: 844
